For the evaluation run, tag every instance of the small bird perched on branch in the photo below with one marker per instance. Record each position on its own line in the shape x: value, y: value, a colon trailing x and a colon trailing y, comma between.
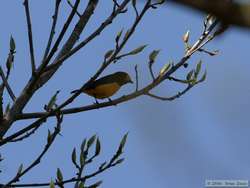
x: 106, y: 86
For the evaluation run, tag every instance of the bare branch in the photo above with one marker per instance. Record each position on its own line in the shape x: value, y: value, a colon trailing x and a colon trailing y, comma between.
x: 32, y: 57
x: 136, y: 79
x: 179, y: 94
x: 11, y: 93
x: 72, y: 6
x: 38, y: 159
x: 52, y: 32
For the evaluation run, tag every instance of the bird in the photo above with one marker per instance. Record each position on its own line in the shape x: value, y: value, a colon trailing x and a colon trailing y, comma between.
x: 106, y: 86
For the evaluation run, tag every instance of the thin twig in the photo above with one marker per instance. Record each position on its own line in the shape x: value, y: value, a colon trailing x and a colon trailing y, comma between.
x: 11, y: 93
x: 179, y: 94
x: 25, y: 136
x: 72, y: 6
x: 32, y: 57
x: 71, y: 180
x: 136, y: 79
x: 52, y: 31
x: 38, y: 159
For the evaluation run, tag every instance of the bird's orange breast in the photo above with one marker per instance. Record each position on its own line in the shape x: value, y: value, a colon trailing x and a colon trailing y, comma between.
x: 103, y: 91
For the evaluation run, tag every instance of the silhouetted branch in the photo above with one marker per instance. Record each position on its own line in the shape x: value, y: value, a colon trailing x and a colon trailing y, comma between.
x: 11, y: 93
x: 53, y: 27
x: 32, y: 57
x: 21, y: 172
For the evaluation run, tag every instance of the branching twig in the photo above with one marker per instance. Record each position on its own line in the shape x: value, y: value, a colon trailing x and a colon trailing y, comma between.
x: 32, y: 57
x: 179, y: 94
x: 38, y: 159
x: 72, y: 6
x: 11, y: 93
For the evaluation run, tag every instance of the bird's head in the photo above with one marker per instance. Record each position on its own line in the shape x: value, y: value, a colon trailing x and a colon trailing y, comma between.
x: 123, y: 78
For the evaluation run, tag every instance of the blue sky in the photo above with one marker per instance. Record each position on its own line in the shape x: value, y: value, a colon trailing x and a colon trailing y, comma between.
x: 203, y: 135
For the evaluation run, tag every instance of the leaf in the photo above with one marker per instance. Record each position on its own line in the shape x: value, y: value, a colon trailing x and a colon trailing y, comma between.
x: 91, y: 141
x: 198, y: 68
x: 189, y: 75
x: 20, y: 169
x: 73, y: 156
x: 49, y: 137
x: 95, y: 185
x: 52, y: 101
x: 82, y: 159
x: 7, y: 109
x: 164, y: 69
x: 97, y: 147
x: 9, y: 62
x: 153, y: 55
x: 122, y: 144
x: 59, y: 175
x: 126, y: 34
x: 137, y: 50
x: 83, y: 145
x: 81, y: 185
x: 204, y: 76
x: 186, y: 36
x: 108, y: 54
x: 12, y: 44
x: 118, y: 36
x: 102, y: 165
x: 52, y: 184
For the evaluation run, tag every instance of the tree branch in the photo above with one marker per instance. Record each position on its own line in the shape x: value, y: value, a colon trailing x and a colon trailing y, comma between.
x: 11, y: 93
x: 52, y: 32
x: 27, y: 12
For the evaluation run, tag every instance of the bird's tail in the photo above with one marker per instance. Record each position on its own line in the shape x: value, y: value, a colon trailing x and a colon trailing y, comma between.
x: 74, y: 91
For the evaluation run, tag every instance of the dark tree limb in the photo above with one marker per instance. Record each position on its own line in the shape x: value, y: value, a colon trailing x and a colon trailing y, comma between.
x: 5, y: 82
x: 52, y: 31
x: 32, y: 56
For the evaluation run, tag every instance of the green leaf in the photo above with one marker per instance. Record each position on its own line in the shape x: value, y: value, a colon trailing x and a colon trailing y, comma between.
x: 59, y: 175
x: 204, y: 76
x: 52, y: 184
x: 108, y: 54
x: 137, y: 50
x: 81, y: 185
x: 73, y: 156
x: 82, y: 159
x: 102, y: 165
x: 52, y: 101
x: 91, y: 141
x: 186, y: 37
x: 95, y: 185
x: 83, y: 145
x: 122, y: 144
x: 198, y: 68
x: 20, y: 169
x: 97, y: 147
x: 7, y: 109
x: 126, y: 34
x: 153, y: 55
x: 164, y: 69
x: 118, y: 36
x: 12, y: 44
x: 49, y: 137
x: 189, y: 75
